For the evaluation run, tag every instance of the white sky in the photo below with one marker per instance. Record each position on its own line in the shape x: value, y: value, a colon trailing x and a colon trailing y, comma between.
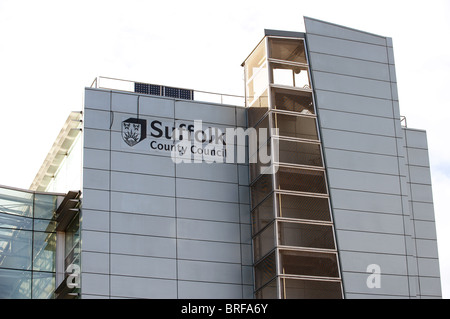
x: 51, y: 50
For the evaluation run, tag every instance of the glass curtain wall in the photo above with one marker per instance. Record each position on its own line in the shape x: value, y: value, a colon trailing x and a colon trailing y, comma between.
x: 295, y: 254
x: 27, y: 244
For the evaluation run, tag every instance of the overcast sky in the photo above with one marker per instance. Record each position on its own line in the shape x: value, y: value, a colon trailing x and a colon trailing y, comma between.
x: 51, y: 50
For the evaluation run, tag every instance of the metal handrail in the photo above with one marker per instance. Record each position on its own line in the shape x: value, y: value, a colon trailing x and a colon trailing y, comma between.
x: 97, y: 83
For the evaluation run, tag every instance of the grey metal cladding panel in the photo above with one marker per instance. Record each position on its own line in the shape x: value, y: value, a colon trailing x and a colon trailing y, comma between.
x: 416, y: 138
x: 93, y: 158
x: 372, y: 296
x: 141, y: 266
x: 390, y: 285
x: 346, y: 48
x: 356, y: 123
x: 246, y: 234
x: 419, y: 175
x: 421, y: 193
x: 359, y: 142
x: 430, y: 286
x: 139, y: 287
x: 95, y: 241
x: 247, y: 276
x: 96, y: 119
x: 244, y: 210
x: 351, y: 85
x: 353, y: 103
x: 143, y: 204
x: 89, y: 296
x: 359, y: 261
x: 209, y: 251
x: 95, y: 262
x: 95, y: 178
x: 370, y: 182
x: 95, y: 199
x: 220, y: 172
x: 426, y: 248
x: 366, y: 201
x: 243, y: 173
x: 247, y: 254
x: 154, y: 106
x: 418, y: 157
x: 209, y: 271
x: 358, y: 161
x: 211, y: 113
x: 142, y: 225
x: 390, y: 52
x: 425, y: 229
x: 95, y: 284
x: 95, y: 220
x: 349, y: 66
x: 151, y: 246
x: 207, y: 210
x: 241, y: 116
x: 338, y: 31
x: 370, y: 242
x: 428, y: 267
x: 208, y: 230
x: 371, y: 222
x: 197, y: 189
x: 143, y: 164
x: 97, y: 99
x: 98, y: 139
x: 206, y: 290
x: 117, y: 144
x: 423, y: 211
x: 148, y: 184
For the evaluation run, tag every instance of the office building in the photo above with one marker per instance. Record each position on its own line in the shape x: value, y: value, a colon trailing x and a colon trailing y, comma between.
x: 307, y: 187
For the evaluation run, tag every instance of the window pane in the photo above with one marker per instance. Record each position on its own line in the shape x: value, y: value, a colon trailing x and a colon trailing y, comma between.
x: 16, y: 202
x: 290, y: 75
x: 262, y: 187
x: 15, y: 284
x: 72, y: 238
x: 265, y: 270
x: 43, y: 285
x: 303, y: 207
x: 306, y: 235
x: 268, y: 292
x: 257, y: 167
x: 293, y: 179
x: 291, y: 100
x: 310, y: 289
x: 264, y: 242
x: 296, y: 126
x: 287, y: 49
x: 309, y: 263
x: 44, y: 247
x: 44, y: 225
x: 256, y: 112
x: 257, y: 79
x: 300, y: 153
x: 263, y: 215
x: 15, y: 222
x: 15, y: 248
x: 256, y: 59
x: 44, y: 206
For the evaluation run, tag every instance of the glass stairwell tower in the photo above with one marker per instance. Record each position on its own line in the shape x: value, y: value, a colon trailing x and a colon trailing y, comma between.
x: 295, y: 253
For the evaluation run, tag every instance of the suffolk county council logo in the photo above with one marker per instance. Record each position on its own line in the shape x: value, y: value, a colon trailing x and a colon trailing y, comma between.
x: 134, y: 130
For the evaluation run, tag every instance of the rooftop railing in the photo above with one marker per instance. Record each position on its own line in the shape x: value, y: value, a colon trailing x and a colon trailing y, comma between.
x: 103, y: 82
